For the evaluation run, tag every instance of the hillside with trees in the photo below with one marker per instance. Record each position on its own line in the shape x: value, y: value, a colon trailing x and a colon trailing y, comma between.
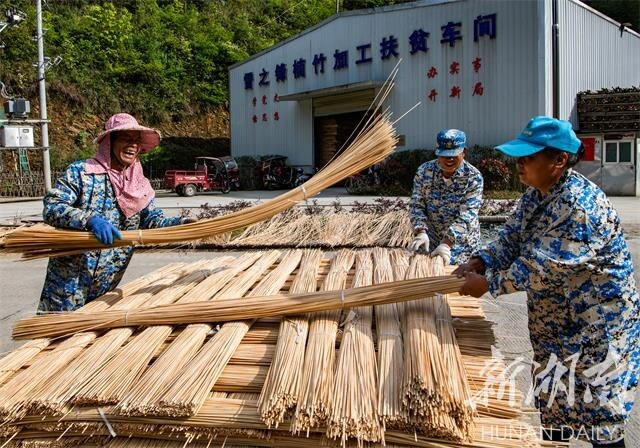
x: 164, y: 61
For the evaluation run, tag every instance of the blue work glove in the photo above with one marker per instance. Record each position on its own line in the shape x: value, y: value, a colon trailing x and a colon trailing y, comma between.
x: 103, y: 230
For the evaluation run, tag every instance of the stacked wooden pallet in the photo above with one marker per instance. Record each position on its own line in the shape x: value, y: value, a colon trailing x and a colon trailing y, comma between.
x: 609, y: 110
x: 332, y: 378
x: 328, y: 140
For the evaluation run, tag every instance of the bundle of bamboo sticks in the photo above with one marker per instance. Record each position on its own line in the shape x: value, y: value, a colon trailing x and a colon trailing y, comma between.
x: 354, y: 413
x: 281, y: 388
x: 315, y: 399
x: 374, y: 143
x: 231, y: 309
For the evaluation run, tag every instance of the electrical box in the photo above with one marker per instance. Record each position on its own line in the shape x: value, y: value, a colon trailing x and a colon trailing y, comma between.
x: 16, y: 136
x: 17, y: 108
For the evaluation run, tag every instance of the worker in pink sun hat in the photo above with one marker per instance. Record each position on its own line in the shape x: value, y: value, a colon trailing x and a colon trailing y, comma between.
x: 104, y: 194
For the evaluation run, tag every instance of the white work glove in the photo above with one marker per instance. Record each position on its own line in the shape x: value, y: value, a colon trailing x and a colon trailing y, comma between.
x: 444, y: 251
x: 420, y: 243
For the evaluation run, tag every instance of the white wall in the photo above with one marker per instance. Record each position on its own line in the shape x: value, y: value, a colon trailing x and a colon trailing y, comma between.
x: 511, y: 75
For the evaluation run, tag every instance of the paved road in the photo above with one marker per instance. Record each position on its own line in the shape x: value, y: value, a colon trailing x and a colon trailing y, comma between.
x: 21, y: 282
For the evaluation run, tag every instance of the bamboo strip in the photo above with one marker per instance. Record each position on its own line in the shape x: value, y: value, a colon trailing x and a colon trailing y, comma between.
x: 224, y: 414
x: 54, y: 395
x: 17, y: 359
x: 231, y: 309
x: 18, y: 393
x: 281, y: 387
x: 354, y: 413
x: 14, y: 391
x: 315, y: 399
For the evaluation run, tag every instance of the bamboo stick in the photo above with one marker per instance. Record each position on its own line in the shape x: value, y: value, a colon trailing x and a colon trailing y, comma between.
x: 114, y: 379
x: 140, y: 398
x: 187, y: 392
x: 54, y: 395
x: 231, y: 309
x: 17, y: 394
x: 17, y: 359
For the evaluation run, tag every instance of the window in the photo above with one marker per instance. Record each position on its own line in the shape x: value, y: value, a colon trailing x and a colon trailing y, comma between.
x: 618, y: 152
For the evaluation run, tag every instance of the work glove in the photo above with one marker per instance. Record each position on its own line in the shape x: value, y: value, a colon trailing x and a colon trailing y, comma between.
x: 444, y: 251
x: 420, y: 242
x: 103, y: 230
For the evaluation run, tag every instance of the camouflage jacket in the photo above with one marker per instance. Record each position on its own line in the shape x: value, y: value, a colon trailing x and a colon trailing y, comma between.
x: 567, y: 251
x: 448, y: 207
x: 74, y: 280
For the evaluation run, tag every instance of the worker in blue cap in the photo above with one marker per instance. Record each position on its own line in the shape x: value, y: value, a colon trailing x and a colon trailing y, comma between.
x: 446, y: 200
x: 565, y: 247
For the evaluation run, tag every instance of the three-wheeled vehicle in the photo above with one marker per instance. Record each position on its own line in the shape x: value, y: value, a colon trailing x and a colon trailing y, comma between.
x: 210, y: 174
x: 277, y: 174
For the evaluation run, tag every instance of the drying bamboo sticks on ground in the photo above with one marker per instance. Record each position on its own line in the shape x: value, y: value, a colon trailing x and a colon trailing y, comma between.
x: 227, y: 310
x: 281, y: 387
x: 227, y: 408
x: 325, y: 228
x: 315, y: 400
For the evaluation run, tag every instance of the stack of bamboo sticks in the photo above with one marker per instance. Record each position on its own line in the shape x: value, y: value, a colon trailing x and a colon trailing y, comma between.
x: 211, y: 392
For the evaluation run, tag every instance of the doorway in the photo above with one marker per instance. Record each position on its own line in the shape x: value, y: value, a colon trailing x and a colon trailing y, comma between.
x: 333, y: 133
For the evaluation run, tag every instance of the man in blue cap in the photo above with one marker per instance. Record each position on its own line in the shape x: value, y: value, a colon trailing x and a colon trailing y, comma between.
x: 446, y: 199
x: 565, y: 247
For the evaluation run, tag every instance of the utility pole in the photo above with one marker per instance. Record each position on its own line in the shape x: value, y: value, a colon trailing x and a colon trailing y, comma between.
x: 44, y: 126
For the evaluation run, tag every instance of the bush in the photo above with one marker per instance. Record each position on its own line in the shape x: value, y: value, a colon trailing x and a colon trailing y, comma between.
x: 392, y: 177
x: 495, y: 172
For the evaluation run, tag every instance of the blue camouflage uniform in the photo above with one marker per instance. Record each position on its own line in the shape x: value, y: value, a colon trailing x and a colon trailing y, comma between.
x: 567, y: 251
x: 448, y: 207
x: 75, y: 280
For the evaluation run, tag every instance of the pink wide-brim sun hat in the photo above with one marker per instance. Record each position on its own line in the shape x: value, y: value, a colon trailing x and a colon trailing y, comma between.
x: 125, y: 122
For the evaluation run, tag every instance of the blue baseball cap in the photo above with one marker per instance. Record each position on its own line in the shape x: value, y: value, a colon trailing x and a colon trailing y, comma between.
x: 540, y: 133
x: 451, y: 142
